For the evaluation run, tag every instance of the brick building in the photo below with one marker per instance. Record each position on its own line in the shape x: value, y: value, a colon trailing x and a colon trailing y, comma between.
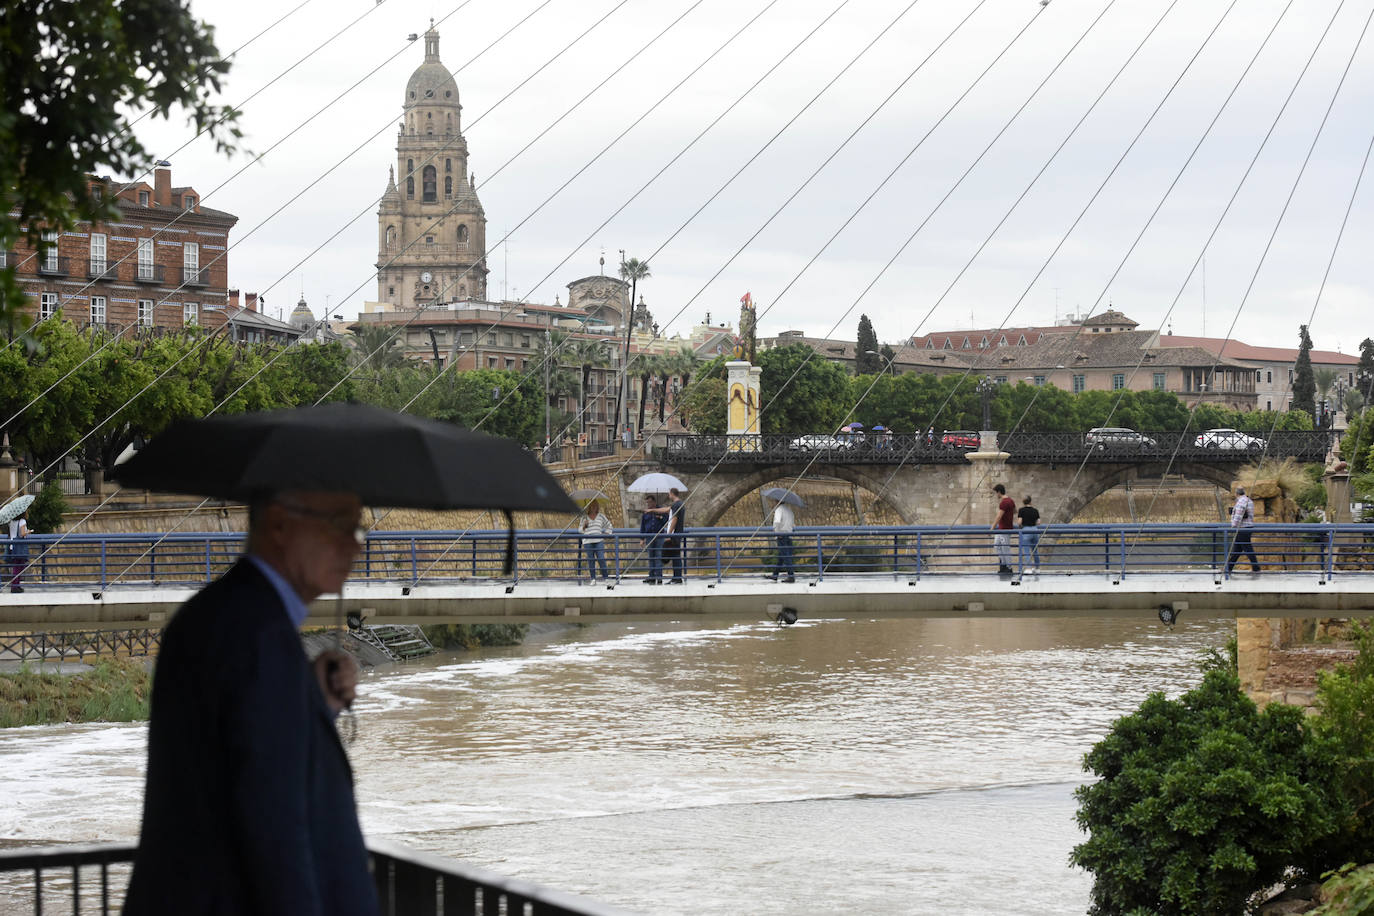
x: 163, y: 263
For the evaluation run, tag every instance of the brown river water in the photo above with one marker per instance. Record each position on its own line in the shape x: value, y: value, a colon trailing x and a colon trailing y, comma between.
x: 912, y: 766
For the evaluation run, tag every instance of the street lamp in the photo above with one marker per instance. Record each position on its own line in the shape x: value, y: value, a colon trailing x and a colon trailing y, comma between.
x: 986, y: 386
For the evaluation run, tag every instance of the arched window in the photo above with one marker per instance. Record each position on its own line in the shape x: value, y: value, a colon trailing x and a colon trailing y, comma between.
x: 410, y: 178
x: 462, y: 235
x: 448, y: 165
x: 430, y: 182
x: 463, y: 291
x: 448, y: 185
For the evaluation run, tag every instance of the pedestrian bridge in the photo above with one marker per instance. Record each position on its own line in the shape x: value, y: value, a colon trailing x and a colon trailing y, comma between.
x: 925, y: 482
x: 120, y: 581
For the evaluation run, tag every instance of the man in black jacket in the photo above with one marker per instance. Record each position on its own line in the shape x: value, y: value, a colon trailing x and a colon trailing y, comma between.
x: 249, y: 804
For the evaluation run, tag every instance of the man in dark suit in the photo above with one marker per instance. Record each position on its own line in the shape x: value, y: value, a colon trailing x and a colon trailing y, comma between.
x: 249, y: 805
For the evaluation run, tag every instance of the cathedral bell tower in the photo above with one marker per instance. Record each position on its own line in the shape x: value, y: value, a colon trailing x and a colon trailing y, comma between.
x: 431, y: 229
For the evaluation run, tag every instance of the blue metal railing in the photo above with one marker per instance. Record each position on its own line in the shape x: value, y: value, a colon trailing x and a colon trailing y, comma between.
x: 100, y: 562
x: 408, y: 881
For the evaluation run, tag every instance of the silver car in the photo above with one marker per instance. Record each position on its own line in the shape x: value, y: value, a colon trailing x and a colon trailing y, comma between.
x: 1116, y: 437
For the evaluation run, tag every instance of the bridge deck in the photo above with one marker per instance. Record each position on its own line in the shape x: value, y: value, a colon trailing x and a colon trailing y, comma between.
x: 119, y: 581
x: 857, y: 597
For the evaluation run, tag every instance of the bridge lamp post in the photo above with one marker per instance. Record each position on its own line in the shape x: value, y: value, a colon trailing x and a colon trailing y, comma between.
x: 548, y: 358
x: 986, y: 386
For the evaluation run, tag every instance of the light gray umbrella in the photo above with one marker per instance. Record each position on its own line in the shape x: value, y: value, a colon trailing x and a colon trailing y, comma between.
x: 778, y: 494
x: 15, y: 508
x: 586, y: 495
x: 656, y: 483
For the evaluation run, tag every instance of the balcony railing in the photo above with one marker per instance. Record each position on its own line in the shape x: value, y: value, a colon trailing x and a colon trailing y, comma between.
x: 102, y: 270
x: 149, y: 273
x: 407, y: 882
x: 53, y: 267
x: 195, y: 276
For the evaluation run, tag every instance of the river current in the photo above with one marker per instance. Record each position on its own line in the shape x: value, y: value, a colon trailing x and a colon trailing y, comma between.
x: 894, y: 766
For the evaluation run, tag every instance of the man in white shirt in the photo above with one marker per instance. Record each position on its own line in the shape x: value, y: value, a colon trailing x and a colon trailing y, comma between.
x: 1242, y: 520
x: 783, y: 522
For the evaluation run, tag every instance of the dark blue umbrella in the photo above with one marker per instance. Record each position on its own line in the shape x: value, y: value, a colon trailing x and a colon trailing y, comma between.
x: 781, y: 495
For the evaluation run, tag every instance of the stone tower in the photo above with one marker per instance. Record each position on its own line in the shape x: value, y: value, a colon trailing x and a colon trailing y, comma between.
x: 431, y: 230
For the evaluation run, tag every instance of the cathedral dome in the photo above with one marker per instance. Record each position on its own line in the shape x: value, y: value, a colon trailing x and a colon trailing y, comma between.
x: 431, y: 83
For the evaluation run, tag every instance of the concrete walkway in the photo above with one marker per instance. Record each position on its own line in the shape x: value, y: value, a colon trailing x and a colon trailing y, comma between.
x: 851, y: 596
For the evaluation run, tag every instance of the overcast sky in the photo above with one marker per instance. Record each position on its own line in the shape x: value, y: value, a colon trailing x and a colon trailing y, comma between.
x: 703, y: 262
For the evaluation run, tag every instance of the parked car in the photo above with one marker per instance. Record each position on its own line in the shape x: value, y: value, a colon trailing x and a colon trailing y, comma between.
x: 817, y: 443
x: 1229, y: 438
x: 960, y: 438
x: 1102, y: 438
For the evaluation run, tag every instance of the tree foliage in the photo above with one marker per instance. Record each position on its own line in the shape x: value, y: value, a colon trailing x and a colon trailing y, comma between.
x: 45, y: 515
x: 1304, y: 382
x: 801, y: 391
x: 1201, y: 802
x: 868, y: 359
x: 70, y: 72
x: 702, y: 407
x: 1345, y: 699
x: 1364, y: 372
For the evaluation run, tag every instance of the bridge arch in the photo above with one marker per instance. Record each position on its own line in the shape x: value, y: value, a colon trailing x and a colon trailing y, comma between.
x: 712, y: 497
x: 1098, y: 479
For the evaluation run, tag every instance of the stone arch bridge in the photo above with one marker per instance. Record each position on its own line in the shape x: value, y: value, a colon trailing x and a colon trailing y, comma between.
x: 928, y: 483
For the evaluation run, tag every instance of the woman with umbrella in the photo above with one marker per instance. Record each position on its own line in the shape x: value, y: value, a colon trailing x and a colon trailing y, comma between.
x: 595, y: 528
x: 15, y: 514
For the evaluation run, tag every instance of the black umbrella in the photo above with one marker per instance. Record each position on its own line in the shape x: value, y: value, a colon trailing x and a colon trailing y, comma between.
x: 386, y: 458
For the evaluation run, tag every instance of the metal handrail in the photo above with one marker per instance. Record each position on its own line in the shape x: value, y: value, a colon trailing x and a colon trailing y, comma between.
x: 88, y: 562
x: 407, y: 880
x: 1022, y: 448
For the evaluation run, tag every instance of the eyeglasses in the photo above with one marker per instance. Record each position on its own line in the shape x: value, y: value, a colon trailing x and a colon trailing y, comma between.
x: 338, y: 522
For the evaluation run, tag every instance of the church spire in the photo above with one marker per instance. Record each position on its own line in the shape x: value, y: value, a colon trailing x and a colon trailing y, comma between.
x: 431, y: 43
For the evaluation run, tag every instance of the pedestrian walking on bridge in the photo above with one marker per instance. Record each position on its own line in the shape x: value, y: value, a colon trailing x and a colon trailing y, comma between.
x: 1002, y: 525
x: 783, y: 522
x: 1242, y: 521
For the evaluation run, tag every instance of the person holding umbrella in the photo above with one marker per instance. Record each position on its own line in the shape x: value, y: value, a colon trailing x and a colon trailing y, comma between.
x: 650, y: 524
x: 783, y: 522
x: 674, y: 534
x: 17, y: 550
x: 249, y: 805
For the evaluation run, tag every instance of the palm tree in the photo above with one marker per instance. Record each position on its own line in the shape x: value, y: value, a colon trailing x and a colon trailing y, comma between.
x: 587, y: 355
x: 632, y: 270
x: 378, y: 346
x: 671, y: 364
x: 648, y: 368
x: 551, y: 355
x: 1325, y: 380
x: 690, y: 363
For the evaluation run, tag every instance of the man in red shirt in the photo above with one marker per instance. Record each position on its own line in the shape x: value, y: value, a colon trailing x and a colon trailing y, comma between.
x: 1002, y: 524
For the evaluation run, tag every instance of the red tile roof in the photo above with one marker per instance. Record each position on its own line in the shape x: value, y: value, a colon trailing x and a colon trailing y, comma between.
x: 1235, y: 349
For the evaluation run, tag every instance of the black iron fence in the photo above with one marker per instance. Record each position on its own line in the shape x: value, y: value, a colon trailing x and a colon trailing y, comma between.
x: 79, y: 645
x: 84, y: 879
x: 1022, y: 447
